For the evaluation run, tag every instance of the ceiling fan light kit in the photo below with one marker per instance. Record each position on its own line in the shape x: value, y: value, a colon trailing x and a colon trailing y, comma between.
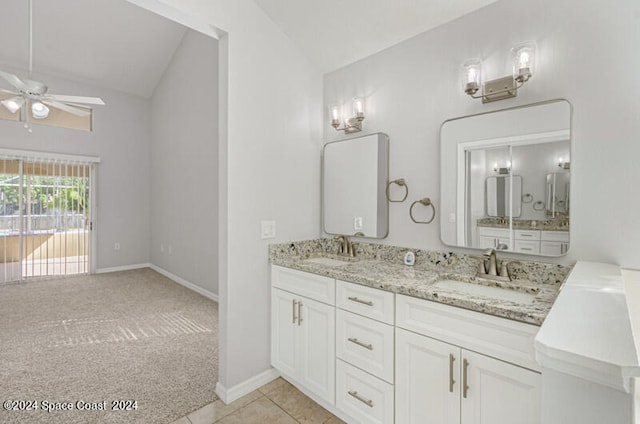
x: 34, y: 96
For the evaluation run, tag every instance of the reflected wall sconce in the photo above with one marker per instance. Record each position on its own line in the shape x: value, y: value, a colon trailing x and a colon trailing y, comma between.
x: 564, y: 164
x: 502, y: 170
x: 523, y: 58
x: 348, y: 124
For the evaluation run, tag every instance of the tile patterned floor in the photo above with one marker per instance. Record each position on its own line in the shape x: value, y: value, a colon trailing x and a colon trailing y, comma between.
x: 277, y: 402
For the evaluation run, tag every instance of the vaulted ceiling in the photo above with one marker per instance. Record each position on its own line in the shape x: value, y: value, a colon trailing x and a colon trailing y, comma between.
x: 107, y: 43
x: 334, y: 33
x: 117, y: 45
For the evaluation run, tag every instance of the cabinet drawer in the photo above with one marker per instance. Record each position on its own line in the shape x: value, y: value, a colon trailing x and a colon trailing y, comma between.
x: 366, y: 301
x: 365, y: 343
x: 526, y: 246
x: 313, y: 286
x: 501, y: 338
x: 493, y: 232
x: 527, y: 235
x: 555, y: 236
x: 360, y: 395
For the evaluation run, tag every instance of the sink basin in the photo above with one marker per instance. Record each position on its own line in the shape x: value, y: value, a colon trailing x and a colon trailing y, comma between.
x: 486, y: 291
x: 322, y: 260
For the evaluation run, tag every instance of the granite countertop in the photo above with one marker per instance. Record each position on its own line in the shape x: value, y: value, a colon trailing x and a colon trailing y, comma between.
x: 559, y: 224
x: 381, y: 266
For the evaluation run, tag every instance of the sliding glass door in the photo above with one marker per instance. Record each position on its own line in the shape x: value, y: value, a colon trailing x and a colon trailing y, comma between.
x: 45, y: 224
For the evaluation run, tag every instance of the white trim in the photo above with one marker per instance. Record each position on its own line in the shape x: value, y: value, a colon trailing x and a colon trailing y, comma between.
x: 173, y: 14
x: 122, y: 268
x: 246, y: 387
x: 206, y: 293
x: 46, y: 156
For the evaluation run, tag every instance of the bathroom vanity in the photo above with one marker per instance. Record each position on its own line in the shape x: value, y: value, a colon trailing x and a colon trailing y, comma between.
x: 375, y: 341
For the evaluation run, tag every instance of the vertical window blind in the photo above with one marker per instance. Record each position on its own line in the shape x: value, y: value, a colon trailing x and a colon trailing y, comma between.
x: 45, y: 215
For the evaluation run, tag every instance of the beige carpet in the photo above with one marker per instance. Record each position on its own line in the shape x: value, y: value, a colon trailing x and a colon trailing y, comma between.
x: 124, y: 336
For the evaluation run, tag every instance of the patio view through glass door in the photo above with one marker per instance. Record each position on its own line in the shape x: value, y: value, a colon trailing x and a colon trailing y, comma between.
x: 44, y: 218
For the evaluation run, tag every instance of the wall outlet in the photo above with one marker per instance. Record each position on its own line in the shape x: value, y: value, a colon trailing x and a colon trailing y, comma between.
x: 169, y: 250
x: 116, y: 246
x: 452, y: 217
x: 357, y: 223
x: 161, y: 248
x: 268, y: 229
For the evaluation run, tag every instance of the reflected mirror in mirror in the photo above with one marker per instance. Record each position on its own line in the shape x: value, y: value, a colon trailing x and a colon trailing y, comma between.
x: 505, y: 179
x: 354, y: 178
x: 504, y: 196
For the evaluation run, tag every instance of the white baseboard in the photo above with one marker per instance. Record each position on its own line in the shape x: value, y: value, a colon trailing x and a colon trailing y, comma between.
x: 206, y: 293
x: 246, y: 387
x: 122, y: 268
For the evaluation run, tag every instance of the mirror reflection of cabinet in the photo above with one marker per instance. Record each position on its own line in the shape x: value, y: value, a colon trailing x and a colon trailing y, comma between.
x: 507, y: 172
x: 354, y: 177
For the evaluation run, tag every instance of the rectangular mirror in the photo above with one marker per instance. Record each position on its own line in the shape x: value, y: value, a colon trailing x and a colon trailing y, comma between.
x: 505, y: 180
x: 354, y: 178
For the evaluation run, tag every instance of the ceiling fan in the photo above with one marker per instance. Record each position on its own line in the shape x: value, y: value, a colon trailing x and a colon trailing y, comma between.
x: 34, y: 94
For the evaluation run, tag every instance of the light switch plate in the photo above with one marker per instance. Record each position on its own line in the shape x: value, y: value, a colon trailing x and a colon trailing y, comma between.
x: 268, y: 229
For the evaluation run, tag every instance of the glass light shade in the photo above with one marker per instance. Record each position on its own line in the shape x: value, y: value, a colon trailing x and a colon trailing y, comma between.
x: 358, y: 107
x: 471, y: 76
x: 524, y: 61
x: 39, y: 110
x: 335, y: 114
x: 13, y: 104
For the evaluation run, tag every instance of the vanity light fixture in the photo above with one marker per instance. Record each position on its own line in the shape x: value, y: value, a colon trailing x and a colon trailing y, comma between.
x: 564, y: 164
x: 349, y: 124
x: 523, y: 58
x: 502, y: 170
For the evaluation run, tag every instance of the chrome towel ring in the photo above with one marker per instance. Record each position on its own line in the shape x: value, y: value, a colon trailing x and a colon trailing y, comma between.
x: 402, y: 183
x: 426, y: 202
x: 538, y: 206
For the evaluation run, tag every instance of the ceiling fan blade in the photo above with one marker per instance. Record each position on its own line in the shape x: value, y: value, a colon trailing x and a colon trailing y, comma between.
x: 76, y: 99
x: 12, y: 79
x: 67, y: 108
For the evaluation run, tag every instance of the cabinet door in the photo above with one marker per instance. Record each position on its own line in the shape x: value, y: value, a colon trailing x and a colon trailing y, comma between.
x: 551, y: 248
x: 498, y: 392
x: 283, y: 327
x: 488, y: 242
x: 317, y: 348
x: 427, y: 380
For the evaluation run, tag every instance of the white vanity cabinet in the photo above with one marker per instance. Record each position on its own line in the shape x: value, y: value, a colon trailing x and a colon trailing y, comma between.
x: 554, y: 243
x: 365, y: 353
x: 441, y: 379
x: 303, y: 329
x: 375, y: 357
x: 493, y: 237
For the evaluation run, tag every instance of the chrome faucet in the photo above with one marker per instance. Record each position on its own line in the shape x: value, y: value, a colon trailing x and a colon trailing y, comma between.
x: 492, y: 272
x: 346, y: 247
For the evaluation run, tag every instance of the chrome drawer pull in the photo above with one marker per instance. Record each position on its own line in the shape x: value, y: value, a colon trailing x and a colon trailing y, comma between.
x: 294, y: 302
x: 359, y: 343
x: 360, y: 398
x: 451, y: 380
x: 299, y: 313
x: 465, y: 387
x: 364, y: 302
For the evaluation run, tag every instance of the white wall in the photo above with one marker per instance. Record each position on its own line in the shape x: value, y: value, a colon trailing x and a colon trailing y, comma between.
x: 586, y: 54
x: 269, y: 167
x: 184, y: 164
x: 120, y: 138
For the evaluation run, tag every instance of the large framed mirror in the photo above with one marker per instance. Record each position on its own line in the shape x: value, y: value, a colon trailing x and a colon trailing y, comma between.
x: 505, y: 179
x: 354, y: 177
